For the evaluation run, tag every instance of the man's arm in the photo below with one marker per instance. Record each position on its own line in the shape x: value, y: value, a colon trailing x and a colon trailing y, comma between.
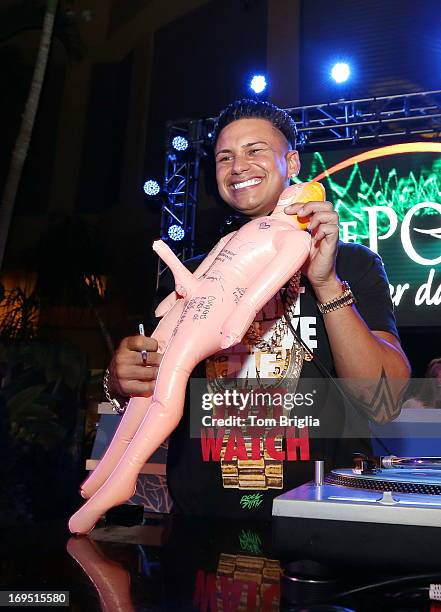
x: 372, y: 363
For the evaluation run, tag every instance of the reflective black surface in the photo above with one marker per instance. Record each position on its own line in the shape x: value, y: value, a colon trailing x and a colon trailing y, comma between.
x: 173, y: 563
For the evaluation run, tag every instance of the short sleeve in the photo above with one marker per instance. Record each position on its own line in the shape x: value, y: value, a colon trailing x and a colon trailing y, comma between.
x: 364, y: 271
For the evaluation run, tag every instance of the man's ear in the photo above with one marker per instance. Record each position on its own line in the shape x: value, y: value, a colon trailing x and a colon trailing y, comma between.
x: 293, y: 163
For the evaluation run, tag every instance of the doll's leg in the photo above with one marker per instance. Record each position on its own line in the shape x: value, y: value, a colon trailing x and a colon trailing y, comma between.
x: 161, y: 419
x: 135, y: 412
x: 190, y: 344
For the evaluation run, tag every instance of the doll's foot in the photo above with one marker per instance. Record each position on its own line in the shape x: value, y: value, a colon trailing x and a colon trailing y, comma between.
x: 90, y: 486
x: 110, y: 494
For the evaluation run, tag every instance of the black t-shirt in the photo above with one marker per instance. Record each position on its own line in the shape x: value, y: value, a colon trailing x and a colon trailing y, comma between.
x: 236, y: 476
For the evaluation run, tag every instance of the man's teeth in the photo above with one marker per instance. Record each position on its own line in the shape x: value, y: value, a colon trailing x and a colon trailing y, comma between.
x: 254, y: 181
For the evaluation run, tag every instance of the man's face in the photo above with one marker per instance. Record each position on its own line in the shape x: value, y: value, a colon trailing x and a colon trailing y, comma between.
x: 253, y: 166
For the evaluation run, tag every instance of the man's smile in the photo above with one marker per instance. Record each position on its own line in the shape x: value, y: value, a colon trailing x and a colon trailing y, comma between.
x: 244, y: 184
x: 253, y: 164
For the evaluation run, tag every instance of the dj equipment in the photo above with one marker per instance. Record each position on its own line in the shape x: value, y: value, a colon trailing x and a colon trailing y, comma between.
x: 383, y: 510
x: 395, y: 490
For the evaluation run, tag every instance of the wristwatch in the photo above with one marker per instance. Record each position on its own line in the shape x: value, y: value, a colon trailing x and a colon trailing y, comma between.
x: 346, y: 298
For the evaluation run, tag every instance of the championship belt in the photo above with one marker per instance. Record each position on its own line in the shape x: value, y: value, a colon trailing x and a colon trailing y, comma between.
x: 257, y: 474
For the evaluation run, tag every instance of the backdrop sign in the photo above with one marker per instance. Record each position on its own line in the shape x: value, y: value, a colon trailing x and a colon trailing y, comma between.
x: 389, y: 199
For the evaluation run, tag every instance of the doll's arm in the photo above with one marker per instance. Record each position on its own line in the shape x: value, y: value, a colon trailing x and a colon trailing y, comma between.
x: 168, y: 302
x: 184, y: 279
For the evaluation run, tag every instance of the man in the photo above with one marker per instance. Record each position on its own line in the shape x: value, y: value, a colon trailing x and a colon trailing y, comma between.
x: 341, y: 308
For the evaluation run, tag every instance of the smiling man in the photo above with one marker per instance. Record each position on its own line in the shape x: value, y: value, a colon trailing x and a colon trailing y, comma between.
x: 250, y: 173
x: 335, y: 318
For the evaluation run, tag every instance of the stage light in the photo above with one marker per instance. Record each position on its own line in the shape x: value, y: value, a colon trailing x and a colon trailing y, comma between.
x: 176, y: 232
x: 258, y: 83
x: 179, y: 143
x: 340, y: 72
x: 151, y: 187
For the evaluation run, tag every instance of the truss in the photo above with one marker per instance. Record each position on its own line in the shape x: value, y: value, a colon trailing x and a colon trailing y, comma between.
x: 181, y: 183
x: 368, y: 119
x: 344, y: 122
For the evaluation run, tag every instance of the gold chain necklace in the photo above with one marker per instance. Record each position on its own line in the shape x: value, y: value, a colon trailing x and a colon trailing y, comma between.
x: 281, y: 327
x: 295, y: 358
x: 265, y: 474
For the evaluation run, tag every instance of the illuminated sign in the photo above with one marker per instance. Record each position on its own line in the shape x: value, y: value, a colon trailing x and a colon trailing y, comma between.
x: 389, y: 199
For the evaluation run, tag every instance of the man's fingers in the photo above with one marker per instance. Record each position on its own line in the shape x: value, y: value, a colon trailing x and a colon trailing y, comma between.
x: 324, y: 218
x: 323, y: 230
x: 308, y: 209
x: 153, y: 359
x: 134, y: 358
x: 140, y: 373
x: 140, y: 343
x: 137, y: 388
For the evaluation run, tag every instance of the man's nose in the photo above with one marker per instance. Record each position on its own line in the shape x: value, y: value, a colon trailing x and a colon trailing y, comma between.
x: 240, y: 164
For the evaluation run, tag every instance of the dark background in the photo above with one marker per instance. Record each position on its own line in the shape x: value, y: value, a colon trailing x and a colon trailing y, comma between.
x: 79, y: 245
x: 101, y: 122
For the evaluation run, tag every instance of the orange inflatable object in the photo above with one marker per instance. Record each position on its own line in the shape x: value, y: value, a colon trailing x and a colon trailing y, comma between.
x: 210, y: 310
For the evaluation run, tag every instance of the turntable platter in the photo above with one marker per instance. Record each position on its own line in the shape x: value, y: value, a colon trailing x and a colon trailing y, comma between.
x: 396, y: 496
x: 397, y: 480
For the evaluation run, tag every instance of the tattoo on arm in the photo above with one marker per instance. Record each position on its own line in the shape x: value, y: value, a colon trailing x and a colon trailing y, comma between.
x: 384, y: 405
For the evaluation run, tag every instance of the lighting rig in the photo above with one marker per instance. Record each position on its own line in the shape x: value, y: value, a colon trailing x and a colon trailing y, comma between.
x: 344, y: 122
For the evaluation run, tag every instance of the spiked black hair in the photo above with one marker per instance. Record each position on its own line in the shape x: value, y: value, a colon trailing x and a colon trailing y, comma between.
x: 247, y: 108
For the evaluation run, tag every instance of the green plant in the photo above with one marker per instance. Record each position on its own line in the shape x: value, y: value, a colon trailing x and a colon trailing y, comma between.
x: 18, y: 314
x: 42, y: 413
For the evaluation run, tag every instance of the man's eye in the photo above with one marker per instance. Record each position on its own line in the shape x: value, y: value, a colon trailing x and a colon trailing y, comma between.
x: 224, y: 158
x: 252, y: 151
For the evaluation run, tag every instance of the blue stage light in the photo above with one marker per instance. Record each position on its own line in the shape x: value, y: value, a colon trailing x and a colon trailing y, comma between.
x: 258, y: 83
x: 176, y: 232
x: 180, y: 143
x: 340, y: 72
x: 151, y: 187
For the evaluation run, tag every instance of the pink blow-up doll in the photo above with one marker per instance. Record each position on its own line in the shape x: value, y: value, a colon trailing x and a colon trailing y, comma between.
x: 209, y: 310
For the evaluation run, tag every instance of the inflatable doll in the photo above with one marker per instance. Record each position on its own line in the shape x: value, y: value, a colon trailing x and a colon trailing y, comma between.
x: 209, y: 310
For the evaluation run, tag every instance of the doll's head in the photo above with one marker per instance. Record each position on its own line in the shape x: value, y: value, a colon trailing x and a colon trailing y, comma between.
x: 299, y: 194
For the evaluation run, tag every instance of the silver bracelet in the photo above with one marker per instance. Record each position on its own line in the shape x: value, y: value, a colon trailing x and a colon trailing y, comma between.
x: 116, y: 405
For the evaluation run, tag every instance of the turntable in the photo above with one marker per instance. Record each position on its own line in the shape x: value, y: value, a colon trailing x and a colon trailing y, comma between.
x: 390, y: 501
x: 397, y: 490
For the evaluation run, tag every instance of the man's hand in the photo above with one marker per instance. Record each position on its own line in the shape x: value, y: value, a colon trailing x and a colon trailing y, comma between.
x: 320, y: 266
x: 128, y: 374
